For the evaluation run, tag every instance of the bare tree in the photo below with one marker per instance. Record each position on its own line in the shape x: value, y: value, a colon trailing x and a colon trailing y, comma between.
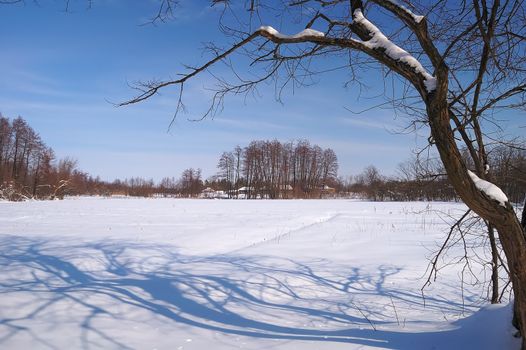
x: 272, y: 169
x: 227, y: 167
x: 372, y: 178
x: 190, y: 183
x: 25, y: 161
x: 460, y: 62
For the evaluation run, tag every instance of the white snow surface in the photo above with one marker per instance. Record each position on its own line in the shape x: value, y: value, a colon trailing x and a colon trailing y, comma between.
x: 379, y: 40
x: 491, y: 190
x: 95, y: 273
x: 302, y: 34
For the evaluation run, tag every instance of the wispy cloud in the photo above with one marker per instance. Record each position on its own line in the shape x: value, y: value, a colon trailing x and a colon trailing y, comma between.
x: 371, y: 124
x: 249, y: 124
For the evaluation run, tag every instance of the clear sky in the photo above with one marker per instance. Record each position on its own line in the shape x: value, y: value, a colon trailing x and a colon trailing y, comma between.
x: 59, y: 70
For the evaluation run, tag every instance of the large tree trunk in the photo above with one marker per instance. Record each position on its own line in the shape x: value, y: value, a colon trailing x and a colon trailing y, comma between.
x: 503, y: 218
x: 512, y: 238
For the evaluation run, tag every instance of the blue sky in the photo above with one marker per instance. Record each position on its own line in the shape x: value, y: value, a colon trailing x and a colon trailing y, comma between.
x: 59, y: 70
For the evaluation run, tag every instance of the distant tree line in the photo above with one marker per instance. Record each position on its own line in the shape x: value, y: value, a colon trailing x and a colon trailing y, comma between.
x: 28, y: 168
x: 408, y: 185
x: 425, y: 180
x: 271, y: 169
x: 263, y: 169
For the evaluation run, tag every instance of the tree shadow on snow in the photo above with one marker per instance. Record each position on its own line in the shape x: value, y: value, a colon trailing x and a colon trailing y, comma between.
x: 252, y: 296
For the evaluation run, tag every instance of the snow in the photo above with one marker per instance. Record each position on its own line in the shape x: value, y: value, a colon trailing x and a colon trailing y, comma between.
x: 304, y: 33
x: 491, y: 190
x: 380, y: 41
x: 416, y: 18
x: 126, y: 273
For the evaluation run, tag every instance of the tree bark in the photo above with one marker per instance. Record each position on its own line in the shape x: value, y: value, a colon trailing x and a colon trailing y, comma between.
x: 494, y: 265
x: 503, y: 218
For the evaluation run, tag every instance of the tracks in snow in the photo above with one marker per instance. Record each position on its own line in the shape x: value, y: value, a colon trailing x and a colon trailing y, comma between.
x: 286, y: 234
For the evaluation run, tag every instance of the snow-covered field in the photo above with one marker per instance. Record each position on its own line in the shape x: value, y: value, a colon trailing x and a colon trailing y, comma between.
x: 93, y: 273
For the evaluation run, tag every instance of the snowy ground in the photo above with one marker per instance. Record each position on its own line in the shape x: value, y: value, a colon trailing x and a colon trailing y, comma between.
x: 95, y: 273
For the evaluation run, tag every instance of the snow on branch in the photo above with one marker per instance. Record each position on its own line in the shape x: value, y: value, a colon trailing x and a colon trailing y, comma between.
x: 416, y: 18
x: 491, y: 190
x: 380, y: 41
x: 301, y: 35
x: 373, y: 43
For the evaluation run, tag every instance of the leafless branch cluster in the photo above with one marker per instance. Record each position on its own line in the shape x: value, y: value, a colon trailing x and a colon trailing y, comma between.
x: 471, y: 241
x: 27, y: 166
x: 280, y: 170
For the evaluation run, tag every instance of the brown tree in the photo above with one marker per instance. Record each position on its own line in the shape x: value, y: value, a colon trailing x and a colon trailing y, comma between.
x: 271, y: 169
x: 190, y: 183
x: 460, y: 61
